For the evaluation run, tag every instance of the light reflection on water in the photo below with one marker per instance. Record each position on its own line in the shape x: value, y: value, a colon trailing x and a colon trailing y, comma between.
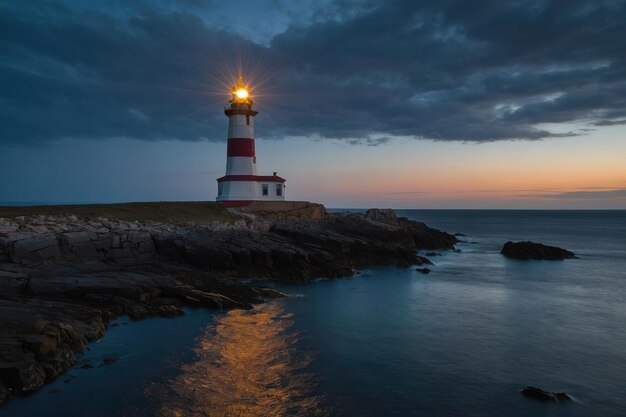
x: 247, y: 365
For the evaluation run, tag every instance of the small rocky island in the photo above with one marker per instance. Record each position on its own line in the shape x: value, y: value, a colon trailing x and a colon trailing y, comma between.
x: 535, y: 251
x: 67, y: 271
x: 541, y: 395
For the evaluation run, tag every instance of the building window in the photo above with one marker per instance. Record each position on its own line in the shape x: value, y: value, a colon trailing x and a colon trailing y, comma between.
x: 220, y: 188
x: 265, y: 189
x: 248, y: 119
x: 279, y: 190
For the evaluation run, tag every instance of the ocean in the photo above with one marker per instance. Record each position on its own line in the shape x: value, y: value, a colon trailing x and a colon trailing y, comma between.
x: 462, y: 340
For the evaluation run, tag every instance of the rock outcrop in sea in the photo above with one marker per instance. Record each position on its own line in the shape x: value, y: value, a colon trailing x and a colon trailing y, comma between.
x: 539, y: 394
x: 63, y: 278
x: 535, y: 251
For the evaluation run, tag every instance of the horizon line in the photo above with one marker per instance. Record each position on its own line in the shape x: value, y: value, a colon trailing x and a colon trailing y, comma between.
x: 75, y: 203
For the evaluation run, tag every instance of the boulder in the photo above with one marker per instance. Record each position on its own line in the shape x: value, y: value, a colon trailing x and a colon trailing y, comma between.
x: 75, y: 238
x: 85, y: 250
x: 37, y: 228
x: 26, y: 246
x: 381, y: 215
x: 7, y: 229
x: 108, y: 360
x: 137, y: 237
x: 36, y: 249
x: 22, y: 375
x: 539, y: 394
x: 535, y: 251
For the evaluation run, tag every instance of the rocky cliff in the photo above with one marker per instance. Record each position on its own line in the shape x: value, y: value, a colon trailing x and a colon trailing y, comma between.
x: 296, y: 249
x: 63, y: 277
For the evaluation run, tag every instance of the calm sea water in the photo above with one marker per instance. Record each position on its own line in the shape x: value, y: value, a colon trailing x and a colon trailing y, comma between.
x: 460, y: 341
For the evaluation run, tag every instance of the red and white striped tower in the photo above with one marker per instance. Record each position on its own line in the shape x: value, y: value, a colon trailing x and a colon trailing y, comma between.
x: 241, y: 185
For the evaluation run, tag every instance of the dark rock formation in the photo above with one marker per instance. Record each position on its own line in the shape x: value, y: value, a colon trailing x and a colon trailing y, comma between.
x: 536, y: 251
x: 421, y: 260
x: 109, y: 360
x: 307, y: 249
x: 290, y: 249
x: 63, y: 279
x: 43, y: 329
x: 381, y: 215
x: 539, y: 394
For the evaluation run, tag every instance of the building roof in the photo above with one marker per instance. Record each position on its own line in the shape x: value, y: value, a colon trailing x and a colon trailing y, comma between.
x: 257, y: 178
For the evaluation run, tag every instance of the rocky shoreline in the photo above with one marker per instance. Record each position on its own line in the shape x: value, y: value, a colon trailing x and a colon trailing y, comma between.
x: 63, y: 278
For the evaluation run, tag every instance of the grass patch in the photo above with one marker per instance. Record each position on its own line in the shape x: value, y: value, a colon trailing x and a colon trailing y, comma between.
x: 179, y: 212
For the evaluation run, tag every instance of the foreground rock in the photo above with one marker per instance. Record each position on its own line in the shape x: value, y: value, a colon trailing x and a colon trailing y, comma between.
x: 539, y: 394
x: 43, y: 328
x: 536, y: 251
x: 64, y: 278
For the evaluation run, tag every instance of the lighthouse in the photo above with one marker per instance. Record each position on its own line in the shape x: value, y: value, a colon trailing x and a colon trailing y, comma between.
x: 241, y: 185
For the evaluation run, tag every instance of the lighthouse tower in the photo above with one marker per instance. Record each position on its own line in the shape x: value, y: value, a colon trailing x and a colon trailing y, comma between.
x: 241, y: 185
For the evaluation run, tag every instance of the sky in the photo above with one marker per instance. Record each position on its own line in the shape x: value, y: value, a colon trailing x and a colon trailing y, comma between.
x: 403, y: 104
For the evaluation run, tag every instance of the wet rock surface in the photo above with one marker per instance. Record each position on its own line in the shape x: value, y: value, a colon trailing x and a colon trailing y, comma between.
x: 64, y: 278
x: 535, y: 251
x: 45, y: 327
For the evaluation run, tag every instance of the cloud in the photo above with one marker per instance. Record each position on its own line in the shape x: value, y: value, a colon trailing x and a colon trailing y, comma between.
x: 445, y: 70
x: 584, y: 195
x: 369, y: 141
x: 610, y: 122
x: 139, y: 115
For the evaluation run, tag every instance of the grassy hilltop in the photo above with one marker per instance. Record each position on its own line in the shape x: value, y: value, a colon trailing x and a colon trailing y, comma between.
x: 165, y: 212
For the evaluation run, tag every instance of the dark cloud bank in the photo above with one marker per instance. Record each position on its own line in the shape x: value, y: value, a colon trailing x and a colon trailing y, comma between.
x: 445, y: 70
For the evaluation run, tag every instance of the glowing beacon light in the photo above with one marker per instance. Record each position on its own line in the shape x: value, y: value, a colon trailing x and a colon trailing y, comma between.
x: 242, y: 93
